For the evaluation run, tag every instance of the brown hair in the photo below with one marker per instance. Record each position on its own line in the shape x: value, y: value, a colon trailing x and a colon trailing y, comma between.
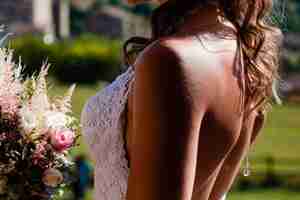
x: 259, y: 42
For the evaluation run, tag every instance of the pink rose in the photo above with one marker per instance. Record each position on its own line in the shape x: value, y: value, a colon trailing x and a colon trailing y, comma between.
x: 38, y: 154
x: 62, y: 139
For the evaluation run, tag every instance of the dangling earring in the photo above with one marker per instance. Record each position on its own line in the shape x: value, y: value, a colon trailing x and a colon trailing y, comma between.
x: 246, y: 169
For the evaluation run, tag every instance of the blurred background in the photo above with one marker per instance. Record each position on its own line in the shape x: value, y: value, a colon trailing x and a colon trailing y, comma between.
x: 82, y: 39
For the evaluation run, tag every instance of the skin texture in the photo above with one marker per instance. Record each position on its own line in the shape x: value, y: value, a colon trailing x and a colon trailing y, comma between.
x: 185, y: 135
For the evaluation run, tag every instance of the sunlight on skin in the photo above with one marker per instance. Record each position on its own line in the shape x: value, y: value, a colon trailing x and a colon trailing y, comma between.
x: 283, y: 120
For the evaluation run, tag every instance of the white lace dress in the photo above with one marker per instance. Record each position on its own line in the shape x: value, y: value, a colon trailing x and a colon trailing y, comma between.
x: 103, y: 126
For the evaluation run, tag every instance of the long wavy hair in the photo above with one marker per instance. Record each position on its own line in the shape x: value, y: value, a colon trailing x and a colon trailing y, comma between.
x: 259, y: 42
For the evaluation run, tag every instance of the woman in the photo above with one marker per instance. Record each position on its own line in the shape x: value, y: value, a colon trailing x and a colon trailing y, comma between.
x: 177, y: 124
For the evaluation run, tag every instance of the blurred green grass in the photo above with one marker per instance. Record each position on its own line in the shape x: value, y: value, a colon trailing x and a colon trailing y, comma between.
x: 264, y: 194
x: 281, y: 134
x: 280, y: 139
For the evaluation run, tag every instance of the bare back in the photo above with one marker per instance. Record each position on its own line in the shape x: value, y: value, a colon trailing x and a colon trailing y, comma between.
x: 210, y: 65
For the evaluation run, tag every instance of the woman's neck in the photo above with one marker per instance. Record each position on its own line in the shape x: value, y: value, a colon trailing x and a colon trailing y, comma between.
x: 201, y: 19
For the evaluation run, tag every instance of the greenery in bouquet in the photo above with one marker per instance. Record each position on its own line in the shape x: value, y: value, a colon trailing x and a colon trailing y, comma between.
x: 36, y: 134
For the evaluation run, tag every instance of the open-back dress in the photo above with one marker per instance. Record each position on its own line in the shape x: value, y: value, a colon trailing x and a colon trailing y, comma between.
x: 103, y: 125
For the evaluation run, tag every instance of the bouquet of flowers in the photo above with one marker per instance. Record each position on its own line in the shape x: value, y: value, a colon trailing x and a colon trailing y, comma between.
x: 36, y: 134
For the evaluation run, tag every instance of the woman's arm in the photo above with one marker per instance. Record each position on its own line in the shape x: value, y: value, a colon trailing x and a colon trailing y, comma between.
x: 166, y: 130
x: 170, y: 100
x: 232, y: 163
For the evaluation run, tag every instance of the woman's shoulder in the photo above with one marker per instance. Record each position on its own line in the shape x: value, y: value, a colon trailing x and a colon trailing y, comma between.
x: 161, y: 68
x: 183, y: 63
x: 172, y: 56
x: 203, y: 51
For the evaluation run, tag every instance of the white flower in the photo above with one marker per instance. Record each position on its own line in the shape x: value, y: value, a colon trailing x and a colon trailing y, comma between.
x: 64, y: 159
x: 55, y: 119
x: 28, y: 119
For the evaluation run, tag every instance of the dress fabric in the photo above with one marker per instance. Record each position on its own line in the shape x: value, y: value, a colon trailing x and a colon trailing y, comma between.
x: 103, y: 126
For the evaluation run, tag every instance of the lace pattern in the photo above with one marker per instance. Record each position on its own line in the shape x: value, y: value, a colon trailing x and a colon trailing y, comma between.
x: 102, y: 127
